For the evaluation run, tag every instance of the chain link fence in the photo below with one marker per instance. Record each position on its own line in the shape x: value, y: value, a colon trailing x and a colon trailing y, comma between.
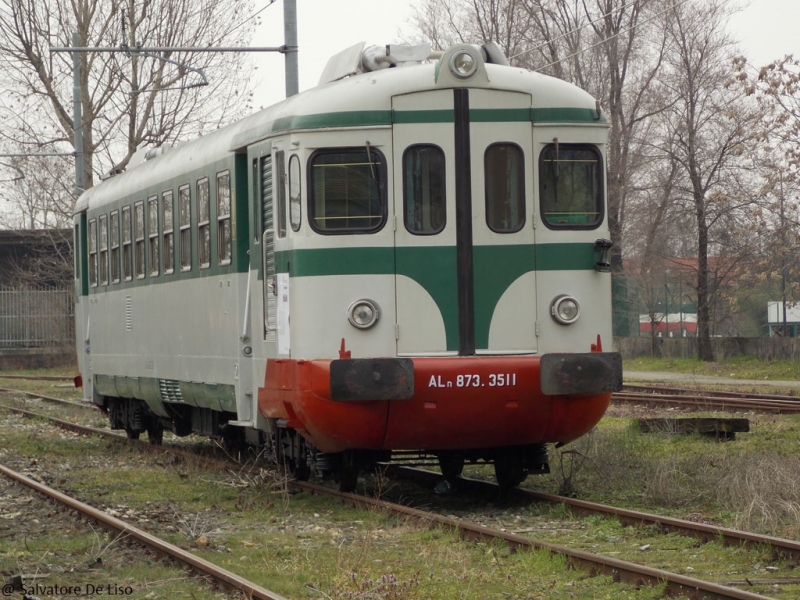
x: 37, y: 318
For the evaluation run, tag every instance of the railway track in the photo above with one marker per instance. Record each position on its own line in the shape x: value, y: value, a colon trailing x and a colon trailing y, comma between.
x: 634, y: 573
x: 161, y: 547
x: 708, y: 399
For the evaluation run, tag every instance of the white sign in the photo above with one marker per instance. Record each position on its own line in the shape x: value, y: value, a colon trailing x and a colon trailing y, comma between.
x: 284, y: 342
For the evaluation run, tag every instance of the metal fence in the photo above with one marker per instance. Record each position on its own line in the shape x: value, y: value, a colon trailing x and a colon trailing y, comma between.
x: 37, y: 318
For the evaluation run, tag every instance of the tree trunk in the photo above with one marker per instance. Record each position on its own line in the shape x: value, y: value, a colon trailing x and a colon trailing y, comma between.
x: 704, y: 350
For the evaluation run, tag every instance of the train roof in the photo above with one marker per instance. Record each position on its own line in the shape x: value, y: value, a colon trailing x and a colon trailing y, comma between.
x: 357, y: 100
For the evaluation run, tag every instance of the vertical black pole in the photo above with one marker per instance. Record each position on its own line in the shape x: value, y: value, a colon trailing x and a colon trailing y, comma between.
x: 465, y: 281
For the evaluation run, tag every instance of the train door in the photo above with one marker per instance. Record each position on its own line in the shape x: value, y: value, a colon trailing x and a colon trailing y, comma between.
x: 269, y: 176
x: 424, y: 220
x: 465, y: 260
x: 503, y: 251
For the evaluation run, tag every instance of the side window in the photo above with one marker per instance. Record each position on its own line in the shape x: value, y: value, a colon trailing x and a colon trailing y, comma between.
x: 424, y: 211
x: 347, y: 191
x: 138, y: 237
x: 224, y: 241
x: 103, y: 223
x: 185, y: 202
x: 280, y: 195
x: 152, y: 234
x: 93, y: 252
x: 571, y: 186
x: 203, y: 225
x: 127, y: 244
x: 295, y: 206
x: 504, y: 173
x: 115, y: 251
x: 168, y: 225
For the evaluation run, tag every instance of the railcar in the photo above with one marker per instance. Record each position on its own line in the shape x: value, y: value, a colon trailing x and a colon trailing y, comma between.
x: 407, y: 262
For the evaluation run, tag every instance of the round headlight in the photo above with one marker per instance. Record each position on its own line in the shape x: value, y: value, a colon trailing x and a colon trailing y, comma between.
x: 565, y: 309
x: 463, y: 64
x: 363, y: 314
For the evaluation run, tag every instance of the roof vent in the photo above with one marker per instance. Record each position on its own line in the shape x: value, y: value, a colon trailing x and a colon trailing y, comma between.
x: 360, y: 59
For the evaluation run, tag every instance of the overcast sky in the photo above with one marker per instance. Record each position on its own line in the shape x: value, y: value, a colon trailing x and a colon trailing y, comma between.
x: 767, y: 30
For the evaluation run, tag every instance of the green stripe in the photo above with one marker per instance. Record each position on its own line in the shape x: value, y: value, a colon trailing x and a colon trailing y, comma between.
x: 566, y: 115
x: 423, y: 116
x: 362, y: 118
x: 496, y: 268
x: 381, y: 260
x: 499, y: 115
x: 434, y: 268
x: 565, y: 257
x: 336, y: 261
x: 372, y: 118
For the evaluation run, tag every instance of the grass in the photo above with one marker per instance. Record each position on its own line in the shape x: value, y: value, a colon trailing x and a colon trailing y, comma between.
x: 750, y: 483
x: 302, y: 546
x: 740, y: 367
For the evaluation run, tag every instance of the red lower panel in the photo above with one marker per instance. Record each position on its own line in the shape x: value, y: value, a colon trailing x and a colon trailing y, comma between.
x: 483, y: 402
x: 458, y: 403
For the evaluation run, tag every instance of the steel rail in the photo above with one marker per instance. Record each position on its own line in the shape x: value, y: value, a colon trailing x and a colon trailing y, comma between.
x: 788, y: 407
x: 632, y: 573
x: 51, y: 398
x: 619, y: 570
x: 702, y: 531
x: 708, y: 392
x: 252, y: 590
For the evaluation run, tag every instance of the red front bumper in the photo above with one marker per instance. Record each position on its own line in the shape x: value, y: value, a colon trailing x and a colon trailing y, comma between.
x: 450, y: 403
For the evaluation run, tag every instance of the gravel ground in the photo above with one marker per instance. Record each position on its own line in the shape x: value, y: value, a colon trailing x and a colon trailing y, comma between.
x: 49, y: 551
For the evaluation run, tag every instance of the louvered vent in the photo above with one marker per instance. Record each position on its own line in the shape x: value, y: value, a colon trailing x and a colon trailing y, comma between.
x: 267, y: 226
x: 170, y: 390
x: 128, y: 313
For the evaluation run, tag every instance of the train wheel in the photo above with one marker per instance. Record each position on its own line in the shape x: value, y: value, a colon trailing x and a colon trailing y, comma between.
x: 509, y: 470
x: 298, y: 464
x: 291, y: 453
x: 348, y: 472
x: 451, y: 465
x: 155, y: 432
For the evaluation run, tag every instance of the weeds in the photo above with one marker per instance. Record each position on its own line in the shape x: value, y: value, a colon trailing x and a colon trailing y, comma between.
x: 757, y: 487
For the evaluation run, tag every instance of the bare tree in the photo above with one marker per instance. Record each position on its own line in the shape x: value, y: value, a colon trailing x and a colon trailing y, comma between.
x: 611, y: 48
x: 707, y: 129
x: 128, y: 99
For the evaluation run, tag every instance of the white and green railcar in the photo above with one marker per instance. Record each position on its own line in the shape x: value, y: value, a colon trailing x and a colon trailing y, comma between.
x: 402, y: 262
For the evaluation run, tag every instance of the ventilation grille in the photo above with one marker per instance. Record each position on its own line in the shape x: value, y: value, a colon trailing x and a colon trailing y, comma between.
x: 170, y: 390
x: 128, y: 313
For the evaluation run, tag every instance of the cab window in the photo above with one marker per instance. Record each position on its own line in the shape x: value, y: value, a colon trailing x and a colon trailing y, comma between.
x: 504, y: 173
x: 571, y: 186
x: 347, y: 192
x: 424, y: 189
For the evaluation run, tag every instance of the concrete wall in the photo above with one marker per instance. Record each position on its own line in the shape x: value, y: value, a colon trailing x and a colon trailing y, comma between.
x: 724, y: 347
x: 37, y: 358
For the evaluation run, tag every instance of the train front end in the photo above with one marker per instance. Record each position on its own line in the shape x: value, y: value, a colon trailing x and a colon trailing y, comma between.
x: 446, y: 271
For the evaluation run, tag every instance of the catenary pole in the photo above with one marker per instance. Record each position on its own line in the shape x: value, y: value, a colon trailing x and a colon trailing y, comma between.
x: 77, y: 117
x: 289, y: 49
x: 290, y: 43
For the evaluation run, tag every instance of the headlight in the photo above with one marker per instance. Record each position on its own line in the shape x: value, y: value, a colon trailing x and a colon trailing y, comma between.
x: 363, y: 314
x: 565, y: 309
x: 463, y: 64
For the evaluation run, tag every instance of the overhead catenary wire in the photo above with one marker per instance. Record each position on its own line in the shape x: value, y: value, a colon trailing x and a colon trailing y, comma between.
x: 602, y: 41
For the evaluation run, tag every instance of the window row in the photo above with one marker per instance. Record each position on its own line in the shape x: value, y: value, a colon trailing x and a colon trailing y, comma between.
x: 155, y: 235
x: 347, y: 189
x: 570, y: 187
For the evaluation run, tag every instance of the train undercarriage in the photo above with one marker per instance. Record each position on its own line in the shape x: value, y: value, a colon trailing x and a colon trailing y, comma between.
x: 297, y: 457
